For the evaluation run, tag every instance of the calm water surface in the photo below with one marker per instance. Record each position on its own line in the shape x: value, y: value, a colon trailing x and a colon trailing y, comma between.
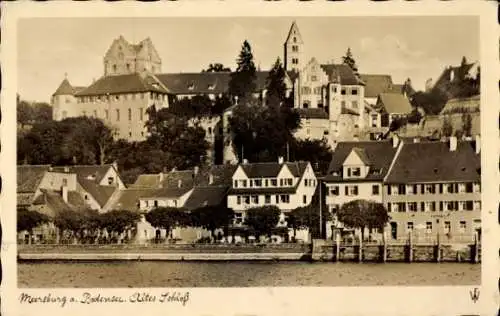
x: 242, y: 274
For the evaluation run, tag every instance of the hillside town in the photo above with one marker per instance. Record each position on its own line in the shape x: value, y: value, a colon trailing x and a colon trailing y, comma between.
x: 305, y: 150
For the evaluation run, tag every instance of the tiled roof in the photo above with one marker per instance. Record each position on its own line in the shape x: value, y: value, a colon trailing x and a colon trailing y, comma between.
x: 222, y: 174
x: 471, y: 104
x: 434, y: 162
x: 128, y: 83
x: 445, y: 75
x: 376, y: 84
x: 297, y: 168
x: 200, y: 82
x: 147, y: 181
x: 128, y: 199
x: 271, y: 169
x: 25, y: 198
x: 313, y: 113
x: 54, y: 202
x: 344, y: 72
x: 206, y: 196
x: 168, y: 192
x: 85, y: 171
x: 29, y: 177
x: 280, y: 190
x: 379, y: 155
x: 395, y: 103
x: 65, y: 88
x: 101, y: 193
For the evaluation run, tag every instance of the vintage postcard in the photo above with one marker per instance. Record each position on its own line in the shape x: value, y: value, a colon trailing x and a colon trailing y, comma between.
x: 214, y: 158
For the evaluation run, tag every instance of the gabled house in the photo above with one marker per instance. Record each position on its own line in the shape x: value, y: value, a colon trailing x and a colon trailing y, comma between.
x: 357, y: 171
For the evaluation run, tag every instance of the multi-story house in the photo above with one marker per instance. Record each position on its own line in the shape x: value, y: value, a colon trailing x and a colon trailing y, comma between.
x: 435, y: 188
x: 357, y: 171
x: 286, y: 185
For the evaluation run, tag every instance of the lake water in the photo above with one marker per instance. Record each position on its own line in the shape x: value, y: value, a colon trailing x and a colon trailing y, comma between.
x: 242, y: 274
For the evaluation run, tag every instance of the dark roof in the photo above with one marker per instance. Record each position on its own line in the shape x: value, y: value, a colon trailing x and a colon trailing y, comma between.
x: 471, y: 104
x: 85, y: 171
x: 168, y: 192
x: 65, y: 88
x: 25, y: 198
x: 206, y: 196
x: 200, y: 82
x: 348, y: 111
x: 128, y: 83
x: 344, y: 72
x: 312, y: 113
x: 395, y: 103
x: 222, y: 174
x: 434, y: 162
x: 146, y: 181
x: 272, y: 169
x: 101, y: 193
x: 29, y: 177
x: 54, y: 202
x: 379, y: 155
x: 128, y: 199
x: 445, y: 75
x: 376, y: 84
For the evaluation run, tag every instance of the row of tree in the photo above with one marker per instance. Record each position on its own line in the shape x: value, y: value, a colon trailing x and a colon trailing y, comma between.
x: 87, y: 226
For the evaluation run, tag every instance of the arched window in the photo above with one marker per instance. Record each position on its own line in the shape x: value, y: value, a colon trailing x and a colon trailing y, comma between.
x: 209, y: 131
x: 114, y: 68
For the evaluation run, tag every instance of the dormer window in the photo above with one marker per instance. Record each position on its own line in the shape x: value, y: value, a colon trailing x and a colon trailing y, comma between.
x: 211, y: 86
x: 354, y: 172
x: 191, y: 86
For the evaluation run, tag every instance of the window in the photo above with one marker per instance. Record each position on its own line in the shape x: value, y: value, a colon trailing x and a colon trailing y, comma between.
x: 295, y: 40
x: 314, y: 78
x: 389, y: 207
x: 289, y: 182
x: 430, y: 189
x: 469, y: 187
x: 401, y: 189
x: 140, y: 114
x: 306, y: 182
x: 412, y: 206
x: 238, y: 218
x: 375, y: 189
x: 351, y: 190
x: 255, y: 199
x: 247, y: 199
x: 304, y: 199
x: 354, y: 91
x: 267, y: 199
x: 129, y: 134
x: 401, y: 207
x: 257, y: 182
x: 285, y: 198
x: 110, y: 180
x: 295, y: 48
x: 281, y: 182
x: 114, y: 68
x: 235, y: 183
x: 86, y: 197
x: 343, y: 91
x: 117, y: 114
x: 266, y: 183
x: 128, y: 67
x: 84, y: 113
x: 356, y: 172
x: 469, y: 206
x: 238, y: 200
x: 409, y: 226
x: 274, y: 182
x: 334, y: 190
x: 428, y: 227
x: 447, y: 227
x: 130, y: 114
x: 156, y: 203
x: 389, y: 189
x: 342, y: 104
x: 95, y: 113
x: 277, y: 199
x: 463, y: 226
x: 64, y: 182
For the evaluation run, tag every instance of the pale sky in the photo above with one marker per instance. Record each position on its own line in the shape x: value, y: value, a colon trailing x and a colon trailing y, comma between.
x: 415, y: 47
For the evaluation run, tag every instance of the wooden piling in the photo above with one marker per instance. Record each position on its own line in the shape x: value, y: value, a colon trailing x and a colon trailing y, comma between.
x: 384, y: 250
x: 476, y: 247
x: 360, y: 250
x: 410, y: 248
x: 438, y: 248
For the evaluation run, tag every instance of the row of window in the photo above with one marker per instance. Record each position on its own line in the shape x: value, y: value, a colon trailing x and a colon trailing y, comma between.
x: 433, y: 206
x: 283, y: 182
x: 345, y: 91
x: 441, y: 188
x: 255, y: 199
x: 155, y: 203
x: 106, y: 116
x: 118, y: 97
x: 447, y: 227
x: 351, y: 190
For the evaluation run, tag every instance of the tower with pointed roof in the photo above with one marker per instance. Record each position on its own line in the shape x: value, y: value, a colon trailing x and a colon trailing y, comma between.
x: 123, y: 57
x: 63, y: 99
x: 294, y: 47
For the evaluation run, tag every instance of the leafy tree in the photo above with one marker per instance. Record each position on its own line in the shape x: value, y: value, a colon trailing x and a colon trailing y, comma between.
x: 69, y: 223
x: 348, y: 60
x: 217, y: 67
x: 316, y: 151
x: 363, y: 214
x: 414, y: 116
x: 119, y: 221
x: 467, y: 124
x: 447, y: 128
x: 42, y: 112
x: 167, y: 218
x: 432, y: 102
x: 242, y: 83
x: 212, y: 217
x: 221, y: 103
x: 263, y: 219
x: 28, y: 220
x: 275, y: 85
x: 24, y: 112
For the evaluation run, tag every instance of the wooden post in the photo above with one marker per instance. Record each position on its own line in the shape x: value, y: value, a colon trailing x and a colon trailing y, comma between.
x: 384, y: 241
x: 476, y: 247
x: 438, y: 248
x: 410, y: 247
x: 360, y: 254
x: 337, y: 247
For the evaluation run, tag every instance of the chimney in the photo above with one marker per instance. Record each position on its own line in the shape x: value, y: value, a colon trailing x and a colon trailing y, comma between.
x: 179, y: 183
x: 395, y: 141
x: 64, y: 193
x: 453, y: 143
x: 280, y: 160
x: 478, y: 144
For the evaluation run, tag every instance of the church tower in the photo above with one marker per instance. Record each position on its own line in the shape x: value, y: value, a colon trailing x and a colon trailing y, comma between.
x: 294, y: 47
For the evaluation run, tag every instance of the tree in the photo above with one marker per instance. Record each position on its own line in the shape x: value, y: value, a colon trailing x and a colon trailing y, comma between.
x: 316, y: 151
x: 119, y: 221
x: 263, y: 219
x: 414, y: 116
x: 212, y: 217
x: 42, y: 112
x: 467, y: 124
x: 24, y: 112
x: 363, y: 214
x: 167, y: 218
x: 447, y: 128
x: 275, y: 85
x: 348, y: 60
x: 28, y: 220
x: 69, y: 223
x: 242, y: 83
x: 217, y: 67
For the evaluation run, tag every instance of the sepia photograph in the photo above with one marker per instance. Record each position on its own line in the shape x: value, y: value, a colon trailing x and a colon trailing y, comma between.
x: 268, y: 155
x: 217, y: 159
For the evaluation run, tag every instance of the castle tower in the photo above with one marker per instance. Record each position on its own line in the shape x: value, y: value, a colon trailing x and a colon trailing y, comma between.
x: 125, y: 58
x: 294, y: 47
x: 62, y: 100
